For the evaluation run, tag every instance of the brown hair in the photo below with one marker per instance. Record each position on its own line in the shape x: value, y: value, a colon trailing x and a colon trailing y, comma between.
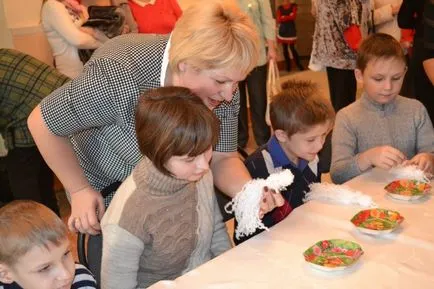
x: 172, y: 121
x: 298, y: 107
x: 25, y: 224
x: 233, y: 36
x: 376, y: 46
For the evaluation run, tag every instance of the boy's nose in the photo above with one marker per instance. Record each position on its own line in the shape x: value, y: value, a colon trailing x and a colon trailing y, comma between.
x: 388, y: 85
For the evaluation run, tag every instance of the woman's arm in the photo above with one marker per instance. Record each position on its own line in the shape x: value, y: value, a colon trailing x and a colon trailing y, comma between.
x: 61, y: 158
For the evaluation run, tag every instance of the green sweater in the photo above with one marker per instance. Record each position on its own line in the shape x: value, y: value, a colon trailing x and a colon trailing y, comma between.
x: 403, y: 124
x: 158, y: 227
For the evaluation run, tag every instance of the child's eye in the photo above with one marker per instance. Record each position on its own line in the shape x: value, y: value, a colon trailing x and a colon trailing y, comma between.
x: 396, y: 78
x: 378, y: 79
x: 189, y: 160
x: 67, y: 253
x: 44, y: 269
x: 310, y: 140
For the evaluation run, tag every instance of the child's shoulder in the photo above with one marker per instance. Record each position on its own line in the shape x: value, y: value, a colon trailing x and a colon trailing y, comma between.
x: 83, y: 278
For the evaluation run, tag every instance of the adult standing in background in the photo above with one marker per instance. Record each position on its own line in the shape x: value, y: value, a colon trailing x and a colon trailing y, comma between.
x: 85, y: 130
x: 411, y: 16
x: 255, y: 83
x: 340, y: 26
x: 155, y: 16
x: 24, y: 82
x: 386, y: 17
x: 61, y: 21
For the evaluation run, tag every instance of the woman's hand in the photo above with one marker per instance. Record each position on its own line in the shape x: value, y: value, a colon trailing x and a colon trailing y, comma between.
x: 87, y: 209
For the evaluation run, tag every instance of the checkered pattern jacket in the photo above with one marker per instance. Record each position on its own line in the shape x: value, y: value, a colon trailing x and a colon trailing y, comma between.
x: 96, y: 109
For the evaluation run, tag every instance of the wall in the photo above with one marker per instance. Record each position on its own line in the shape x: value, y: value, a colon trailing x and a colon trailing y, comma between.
x: 20, y: 23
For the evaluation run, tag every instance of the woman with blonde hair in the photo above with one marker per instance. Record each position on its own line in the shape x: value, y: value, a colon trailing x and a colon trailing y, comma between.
x: 85, y: 130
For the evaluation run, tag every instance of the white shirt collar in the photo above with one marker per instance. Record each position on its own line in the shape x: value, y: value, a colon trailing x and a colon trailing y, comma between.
x: 165, y: 62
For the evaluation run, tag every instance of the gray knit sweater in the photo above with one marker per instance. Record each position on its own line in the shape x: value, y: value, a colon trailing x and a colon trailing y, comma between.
x: 158, y: 227
x: 403, y: 124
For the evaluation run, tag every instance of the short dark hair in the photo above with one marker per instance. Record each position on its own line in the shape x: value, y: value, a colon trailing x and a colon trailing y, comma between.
x: 376, y: 46
x: 173, y: 121
x: 299, y: 106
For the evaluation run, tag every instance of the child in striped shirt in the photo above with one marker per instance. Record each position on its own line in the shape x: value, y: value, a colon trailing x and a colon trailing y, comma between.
x: 35, y: 250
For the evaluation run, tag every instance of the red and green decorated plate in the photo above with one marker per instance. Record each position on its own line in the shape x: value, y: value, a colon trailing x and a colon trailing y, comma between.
x: 407, y: 190
x: 333, y: 255
x: 377, y: 221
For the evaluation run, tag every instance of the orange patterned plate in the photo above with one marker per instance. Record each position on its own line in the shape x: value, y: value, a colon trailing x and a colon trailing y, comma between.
x: 407, y: 190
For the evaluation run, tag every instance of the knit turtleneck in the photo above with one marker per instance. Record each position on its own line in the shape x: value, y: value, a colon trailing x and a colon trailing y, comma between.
x: 159, y: 184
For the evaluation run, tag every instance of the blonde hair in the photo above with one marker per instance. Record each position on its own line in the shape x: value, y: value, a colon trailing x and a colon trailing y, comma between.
x: 214, y: 34
x: 26, y: 224
x: 299, y: 107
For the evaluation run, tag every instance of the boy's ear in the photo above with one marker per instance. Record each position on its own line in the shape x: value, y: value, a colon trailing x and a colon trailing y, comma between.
x: 5, y: 274
x: 359, y: 75
x: 281, y: 135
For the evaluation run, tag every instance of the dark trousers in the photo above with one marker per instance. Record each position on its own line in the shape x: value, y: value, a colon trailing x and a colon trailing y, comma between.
x: 256, y: 85
x: 423, y: 88
x: 29, y: 177
x: 342, y: 86
x: 294, y: 54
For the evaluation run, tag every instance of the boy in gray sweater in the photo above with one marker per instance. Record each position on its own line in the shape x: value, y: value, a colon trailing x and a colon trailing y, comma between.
x: 381, y: 129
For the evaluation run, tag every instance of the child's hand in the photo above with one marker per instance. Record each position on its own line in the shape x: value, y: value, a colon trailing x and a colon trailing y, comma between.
x: 384, y: 157
x: 270, y: 200
x: 424, y: 162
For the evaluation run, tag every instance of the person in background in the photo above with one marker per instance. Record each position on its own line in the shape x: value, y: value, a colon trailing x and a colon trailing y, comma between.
x: 301, y: 119
x: 35, y: 252
x: 155, y: 16
x: 61, y: 21
x: 164, y: 220
x: 340, y: 27
x: 381, y: 129
x: 255, y: 83
x: 411, y: 16
x: 85, y: 130
x: 429, y: 43
x: 385, y: 17
x: 24, y: 82
x: 287, y: 34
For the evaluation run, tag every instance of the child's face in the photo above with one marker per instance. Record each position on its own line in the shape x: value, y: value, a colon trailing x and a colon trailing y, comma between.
x: 382, y: 79
x: 45, y: 269
x: 304, y: 145
x: 190, y: 168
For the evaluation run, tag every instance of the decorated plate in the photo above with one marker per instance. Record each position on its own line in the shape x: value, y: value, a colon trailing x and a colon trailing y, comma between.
x: 377, y: 221
x: 407, y: 190
x: 333, y: 255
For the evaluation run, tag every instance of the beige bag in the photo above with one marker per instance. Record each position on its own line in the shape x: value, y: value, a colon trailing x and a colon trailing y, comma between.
x: 273, y: 87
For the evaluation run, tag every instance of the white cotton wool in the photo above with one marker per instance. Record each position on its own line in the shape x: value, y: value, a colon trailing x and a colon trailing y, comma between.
x: 246, y: 204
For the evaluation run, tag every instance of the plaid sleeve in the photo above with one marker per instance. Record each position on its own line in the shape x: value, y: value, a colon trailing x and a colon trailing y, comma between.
x: 227, y: 113
x: 102, y: 95
x: 24, y: 82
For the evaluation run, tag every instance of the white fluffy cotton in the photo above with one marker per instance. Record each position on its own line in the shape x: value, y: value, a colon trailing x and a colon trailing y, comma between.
x: 409, y: 172
x: 338, y: 194
x: 246, y: 203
